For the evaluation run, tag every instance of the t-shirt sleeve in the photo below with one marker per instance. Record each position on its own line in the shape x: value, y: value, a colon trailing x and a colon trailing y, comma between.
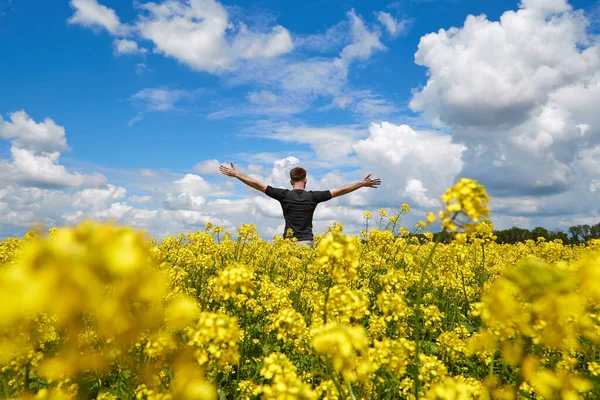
x: 321, y: 196
x: 275, y: 193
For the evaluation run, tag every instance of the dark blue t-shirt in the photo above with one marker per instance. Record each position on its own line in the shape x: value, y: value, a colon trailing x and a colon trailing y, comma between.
x: 298, y: 207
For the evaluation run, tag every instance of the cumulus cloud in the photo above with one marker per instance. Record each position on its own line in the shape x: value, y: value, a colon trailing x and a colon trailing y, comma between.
x: 207, y: 167
x: 90, y: 14
x: 195, y: 185
x: 410, y: 162
x: 489, y: 74
x: 184, y: 201
x: 25, y: 133
x: 125, y: 46
x: 523, y: 94
x: 416, y: 192
x: 411, y: 153
x: 98, y: 198
x: 192, y: 33
x: 196, y: 34
x: 42, y: 169
x: 35, y: 150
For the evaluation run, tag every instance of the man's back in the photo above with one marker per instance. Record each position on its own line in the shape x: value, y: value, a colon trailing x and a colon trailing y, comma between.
x: 298, y: 207
x: 298, y: 204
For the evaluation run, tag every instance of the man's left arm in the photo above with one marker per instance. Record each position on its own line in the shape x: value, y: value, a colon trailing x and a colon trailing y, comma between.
x: 367, y: 182
x: 253, y: 183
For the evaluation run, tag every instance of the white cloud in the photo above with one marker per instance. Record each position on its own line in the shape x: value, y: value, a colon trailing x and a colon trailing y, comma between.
x: 365, y: 42
x: 201, y: 35
x: 250, y: 45
x: 184, y: 201
x: 208, y: 167
x: 125, y: 46
x: 196, y: 34
x: 192, y: 184
x: 31, y: 168
x: 98, y: 198
x: 141, y: 68
x: 35, y: 150
x: 148, y: 173
x: 333, y: 39
x: 327, y: 75
x: 25, y: 133
x: 280, y: 174
x: 522, y: 93
x: 267, y: 206
x: 392, y: 145
x: 262, y: 97
x: 416, y: 192
x: 391, y: 24
x: 93, y: 15
x: 401, y: 155
x: 160, y: 99
x: 495, y: 73
x: 372, y: 106
x: 342, y: 101
x: 192, y: 33
x: 328, y: 143
x: 115, y: 211
x: 140, y: 199
x: 298, y: 82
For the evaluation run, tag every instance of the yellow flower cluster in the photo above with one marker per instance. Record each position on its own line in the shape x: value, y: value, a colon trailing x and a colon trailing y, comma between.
x: 337, y: 257
x: 285, y: 382
x: 467, y: 198
x: 233, y: 282
x: 215, y: 339
x: 346, y: 346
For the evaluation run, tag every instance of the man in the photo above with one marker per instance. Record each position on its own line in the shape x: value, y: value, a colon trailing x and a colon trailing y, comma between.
x: 298, y: 205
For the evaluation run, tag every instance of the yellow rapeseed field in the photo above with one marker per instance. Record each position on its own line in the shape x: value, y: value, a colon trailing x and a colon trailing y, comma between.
x: 100, y: 311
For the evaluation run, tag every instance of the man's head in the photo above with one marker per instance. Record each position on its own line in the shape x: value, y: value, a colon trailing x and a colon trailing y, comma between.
x: 298, y: 177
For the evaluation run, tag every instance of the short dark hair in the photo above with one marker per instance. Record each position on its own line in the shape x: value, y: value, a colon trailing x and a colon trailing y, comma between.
x: 297, y: 174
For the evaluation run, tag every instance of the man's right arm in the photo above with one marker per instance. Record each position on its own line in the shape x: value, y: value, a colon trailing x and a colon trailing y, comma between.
x: 367, y: 182
x: 253, y: 183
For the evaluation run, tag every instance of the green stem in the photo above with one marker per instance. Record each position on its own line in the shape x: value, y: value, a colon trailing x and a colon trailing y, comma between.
x: 325, y: 306
x: 5, y: 387
x: 335, y: 381
x: 27, y: 366
x: 520, y: 378
x: 350, y: 390
x: 491, y: 370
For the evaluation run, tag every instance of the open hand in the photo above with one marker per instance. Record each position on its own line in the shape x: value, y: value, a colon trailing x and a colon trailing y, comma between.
x: 228, y: 171
x: 372, y: 183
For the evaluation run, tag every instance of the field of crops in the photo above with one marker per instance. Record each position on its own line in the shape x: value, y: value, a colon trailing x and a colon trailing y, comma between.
x: 100, y: 311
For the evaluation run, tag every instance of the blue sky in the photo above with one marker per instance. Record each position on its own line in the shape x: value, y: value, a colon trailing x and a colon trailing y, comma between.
x: 123, y: 109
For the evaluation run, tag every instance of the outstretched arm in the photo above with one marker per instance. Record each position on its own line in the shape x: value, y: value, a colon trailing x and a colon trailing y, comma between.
x: 253, y: 183
x: 367, y: 182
